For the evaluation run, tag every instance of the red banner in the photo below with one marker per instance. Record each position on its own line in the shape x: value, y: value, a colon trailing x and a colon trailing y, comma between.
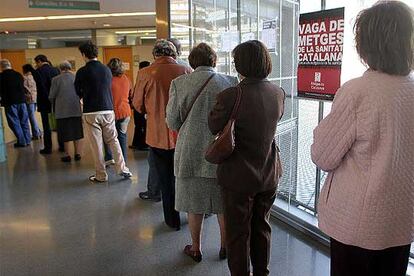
x: 321, y: 36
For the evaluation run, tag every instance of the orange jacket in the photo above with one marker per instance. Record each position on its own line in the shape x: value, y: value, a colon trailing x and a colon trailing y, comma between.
x: 121, y: 88
x: 151, y: 95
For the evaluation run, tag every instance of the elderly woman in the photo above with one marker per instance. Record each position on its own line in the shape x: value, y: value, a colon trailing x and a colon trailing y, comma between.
x: 197, y: 192
x: 121, y: 91
x: 67, y: 110
x: 249, y: 176
x: 366, y: 145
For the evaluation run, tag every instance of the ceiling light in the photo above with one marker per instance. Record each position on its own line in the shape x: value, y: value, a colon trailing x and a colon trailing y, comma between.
x: 107, y: 25
x: 136, y: 32
x: 17, y: 19
x: 132, y: 13
x: 75, y: 16
x: 69, y: 37
x: 148, y: 37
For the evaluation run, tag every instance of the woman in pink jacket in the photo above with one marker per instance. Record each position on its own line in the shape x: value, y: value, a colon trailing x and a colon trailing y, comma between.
x: 366, y: 144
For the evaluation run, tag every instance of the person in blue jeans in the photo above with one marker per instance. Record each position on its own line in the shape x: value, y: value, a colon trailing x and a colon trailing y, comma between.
x: 121, y: 91
x: 31, y: 95
x: 14, y: 101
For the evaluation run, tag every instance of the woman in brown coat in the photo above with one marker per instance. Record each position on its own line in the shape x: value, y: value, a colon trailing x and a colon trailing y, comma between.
x: 249, y: 176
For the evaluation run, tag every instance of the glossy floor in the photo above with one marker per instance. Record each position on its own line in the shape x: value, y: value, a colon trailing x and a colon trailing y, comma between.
x: 53, y: 221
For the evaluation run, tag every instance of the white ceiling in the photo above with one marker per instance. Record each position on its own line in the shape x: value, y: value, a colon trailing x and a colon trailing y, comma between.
x: 19, y: 8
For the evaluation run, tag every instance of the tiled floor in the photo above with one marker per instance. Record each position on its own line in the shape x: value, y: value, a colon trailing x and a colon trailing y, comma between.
x: 53, y: 221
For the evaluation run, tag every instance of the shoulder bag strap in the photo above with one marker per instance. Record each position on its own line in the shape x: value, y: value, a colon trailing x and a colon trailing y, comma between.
x: 235, y: 110
x: 197, y: 95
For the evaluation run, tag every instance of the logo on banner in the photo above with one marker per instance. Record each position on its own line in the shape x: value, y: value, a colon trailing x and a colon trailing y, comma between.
x: 318, y: 76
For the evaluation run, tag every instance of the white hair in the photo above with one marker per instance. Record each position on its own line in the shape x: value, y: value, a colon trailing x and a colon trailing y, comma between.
x: 65, y: 66
x: 5, y: 64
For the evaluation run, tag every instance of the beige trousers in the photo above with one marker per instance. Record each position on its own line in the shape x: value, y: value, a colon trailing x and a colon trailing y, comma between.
x: 100, y: 126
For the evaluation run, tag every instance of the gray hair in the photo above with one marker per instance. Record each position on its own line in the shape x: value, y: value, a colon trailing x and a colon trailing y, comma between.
x: 65, y: 66
x: 164, y: 48
x: 5, y: 64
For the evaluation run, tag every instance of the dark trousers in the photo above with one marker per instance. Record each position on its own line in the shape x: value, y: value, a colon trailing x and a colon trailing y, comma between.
x: 348, y: 260
x: 47, y: 132
x: 248, y: 231
x: 164, y: 166
x: 153, y: 185
x: 18, y: 121
x: 139, y: 131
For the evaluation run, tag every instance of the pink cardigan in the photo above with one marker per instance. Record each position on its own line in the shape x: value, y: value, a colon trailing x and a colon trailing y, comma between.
x: 366, y: 144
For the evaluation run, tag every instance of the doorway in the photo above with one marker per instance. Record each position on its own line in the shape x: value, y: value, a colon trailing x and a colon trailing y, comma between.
x: 124, y: 54
x: 16, y: 58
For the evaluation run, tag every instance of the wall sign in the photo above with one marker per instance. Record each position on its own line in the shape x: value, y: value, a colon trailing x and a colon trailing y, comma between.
x: 65, y: 4
x: 321, y: 37
x: 269, y: 34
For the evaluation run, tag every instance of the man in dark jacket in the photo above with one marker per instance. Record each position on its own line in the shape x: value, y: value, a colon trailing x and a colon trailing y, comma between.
x: 14, y: 101
x: 46, y: 73
x: 93, y: 84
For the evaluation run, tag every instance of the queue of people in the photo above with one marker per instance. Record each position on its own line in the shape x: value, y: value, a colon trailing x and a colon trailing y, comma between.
x: 365, y: 143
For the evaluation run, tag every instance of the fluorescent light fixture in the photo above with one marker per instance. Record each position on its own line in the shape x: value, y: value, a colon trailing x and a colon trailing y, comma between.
x: 18, y: 19
x: 132, y: 13
x: 69, y: 37
x: 149, y: 37
x: 136, y: 32
x: 75, y: 16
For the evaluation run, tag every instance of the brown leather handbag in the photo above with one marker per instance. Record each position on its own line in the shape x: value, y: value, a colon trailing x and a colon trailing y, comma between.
x: 223, y: 145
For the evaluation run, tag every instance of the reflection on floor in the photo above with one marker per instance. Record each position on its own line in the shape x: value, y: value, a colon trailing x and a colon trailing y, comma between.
x: 53, y: 221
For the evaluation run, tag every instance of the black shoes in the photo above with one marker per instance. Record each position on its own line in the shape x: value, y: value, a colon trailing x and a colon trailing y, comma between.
x: 149, y: 197
x: 45, y: 151
x: 17, y: 145
x: 66, y: 159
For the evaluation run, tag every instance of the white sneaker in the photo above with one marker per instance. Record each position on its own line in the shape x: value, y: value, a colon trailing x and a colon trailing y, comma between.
x: 126, y: 175
x: 109, y: 163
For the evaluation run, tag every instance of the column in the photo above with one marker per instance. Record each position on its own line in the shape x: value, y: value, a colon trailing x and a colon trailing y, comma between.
x: 162, y: 8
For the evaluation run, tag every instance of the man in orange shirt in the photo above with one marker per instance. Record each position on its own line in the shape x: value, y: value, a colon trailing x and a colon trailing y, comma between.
x: 151, y: 97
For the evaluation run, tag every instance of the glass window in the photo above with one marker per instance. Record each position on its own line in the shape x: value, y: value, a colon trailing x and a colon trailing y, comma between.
x: 248, y: 19
x: 180, y: 24
x: 310, y: 6
x: 269, y: 11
